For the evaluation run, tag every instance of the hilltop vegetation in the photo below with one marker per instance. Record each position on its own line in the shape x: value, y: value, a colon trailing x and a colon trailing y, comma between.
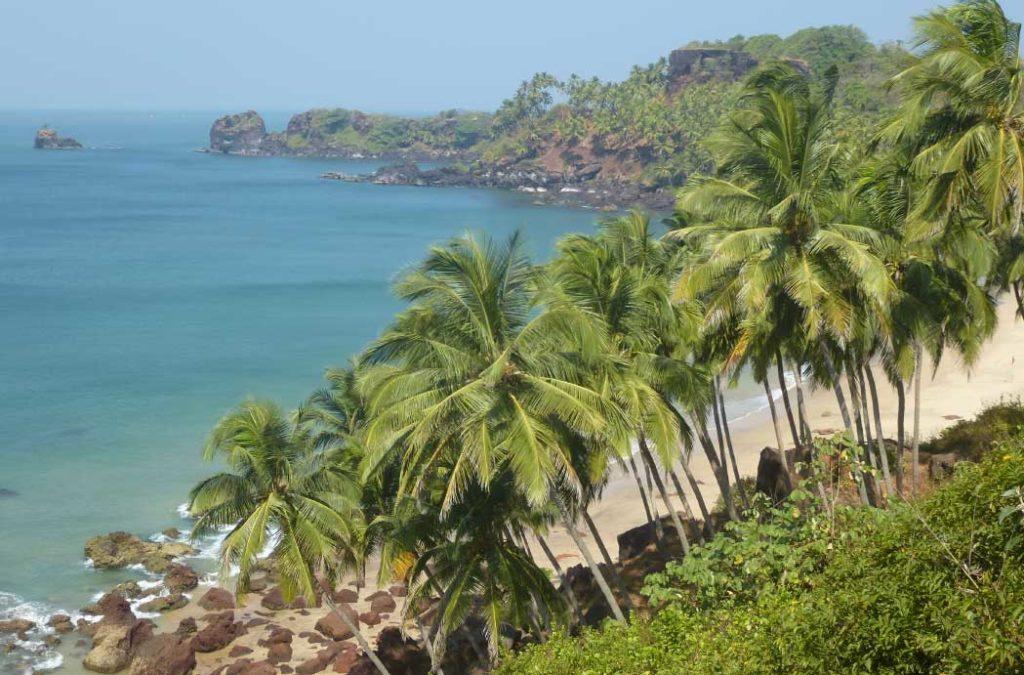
x: 646, y: 128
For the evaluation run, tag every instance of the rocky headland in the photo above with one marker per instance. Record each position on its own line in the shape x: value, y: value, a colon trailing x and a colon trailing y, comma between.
x: 49, y: 139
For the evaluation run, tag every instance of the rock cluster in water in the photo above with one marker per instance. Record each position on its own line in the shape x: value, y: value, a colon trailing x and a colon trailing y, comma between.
x: 121, y: 549
x: 49, y: 139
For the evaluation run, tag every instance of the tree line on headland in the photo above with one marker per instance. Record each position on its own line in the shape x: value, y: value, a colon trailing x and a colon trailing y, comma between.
x: 497, y: 404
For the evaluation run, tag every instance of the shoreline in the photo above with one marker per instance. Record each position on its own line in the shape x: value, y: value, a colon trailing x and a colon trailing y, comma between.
x: 951, y: 393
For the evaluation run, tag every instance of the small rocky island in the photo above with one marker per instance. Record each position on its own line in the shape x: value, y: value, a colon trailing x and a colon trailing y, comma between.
x: 49, y: 139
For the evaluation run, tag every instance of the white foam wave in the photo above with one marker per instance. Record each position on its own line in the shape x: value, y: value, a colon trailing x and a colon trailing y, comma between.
x: 183, y: 511
x: 31, y: 654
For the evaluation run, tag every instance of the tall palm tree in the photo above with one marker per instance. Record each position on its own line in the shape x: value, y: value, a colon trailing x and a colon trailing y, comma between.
x: 620, y: 276
x: 963, y: 113
x: 281, y: 494
x: 475, y: 381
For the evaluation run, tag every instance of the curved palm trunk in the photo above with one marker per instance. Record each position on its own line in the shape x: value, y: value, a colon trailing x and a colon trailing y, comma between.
x: 775, y: 415
x: 915, y: 457
x: 883, y: 454
x: 435, y: 666
x: 602, y: 583
x: 851, y: 382
x: 787, y: 405
x: 570, y: 594
x: 720, y: 472
x: 640, y: 488
x: 901, y: 432
x: 659, y: 531
x: 718, y: 426
x: 709, y: 527
x: 862, y: 488
x: 1018, y: 292
x: 645, y: 452
x: 732, y: 452
x: 805, y: 429
x: 608, y: 561
x: 837, y: 387
x: 360, y: 638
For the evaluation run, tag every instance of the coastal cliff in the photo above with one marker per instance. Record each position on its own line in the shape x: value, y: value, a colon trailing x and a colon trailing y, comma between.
x: 582, y: 141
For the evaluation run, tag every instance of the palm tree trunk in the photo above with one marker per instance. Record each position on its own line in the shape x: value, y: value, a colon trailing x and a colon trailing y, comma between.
x: 728, y: 443
x: 595, y: 569
x: 786, y: 404
x: 645, y: 452
x: 915, y: 457
x: 901, y: 432
x: 616, y: 579
x: 435, y: 667
x: 883, y: 454
x: 805, y: 429
x: 352, y: 626
x: 570, y: 594
x: 720, y: 472
x: 851, y: 382
x: 640, y: 487
x: 1018, y: 292
x: 722, y: 458
x: 709, y: 527
x: 775, y: 415
x: 659, y: 531
x: 837, y: 387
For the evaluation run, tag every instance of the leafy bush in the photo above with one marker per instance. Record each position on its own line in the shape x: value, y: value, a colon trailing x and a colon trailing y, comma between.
x: 931, y: 587
x: 970, y: 439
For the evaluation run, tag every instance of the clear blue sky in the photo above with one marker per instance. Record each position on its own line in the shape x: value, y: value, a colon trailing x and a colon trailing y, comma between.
x: 378, y: 55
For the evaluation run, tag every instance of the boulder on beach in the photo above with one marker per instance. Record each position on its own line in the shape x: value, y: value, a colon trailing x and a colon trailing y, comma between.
x: 348, y: 595
x: 332, y: 625
x: 164, y: 603
x: 382, y: 604
x: 217, y: 599
x: 61, y: 623
x: 180, y: 578
x: 220, y: 631
x: 121, y: 549
x: 49, y: 139
x: 114, y: 644
x: 165, y: 654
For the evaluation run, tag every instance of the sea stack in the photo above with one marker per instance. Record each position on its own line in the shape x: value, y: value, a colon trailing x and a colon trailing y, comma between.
x: 239, y: 134
x: 49, y: 139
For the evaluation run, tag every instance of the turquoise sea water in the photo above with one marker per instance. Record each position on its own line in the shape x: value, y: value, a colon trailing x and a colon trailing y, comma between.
x: 146, y: 288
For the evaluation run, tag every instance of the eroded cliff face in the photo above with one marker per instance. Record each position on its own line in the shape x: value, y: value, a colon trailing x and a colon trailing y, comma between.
x: 699, y: 65
x: 239, y: 134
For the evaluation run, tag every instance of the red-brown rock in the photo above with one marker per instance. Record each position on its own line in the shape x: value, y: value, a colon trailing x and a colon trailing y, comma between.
x: 239, y: 650
x: 217, y: 599
x: 370, y: 618
x: 334, y: 627
x: 180, y: 578
x: 348, y: 595
x: 383, y: 604
x: 398, y: 590
x: 165, y: 654
x: 279, y: 652
x: 221, y: 631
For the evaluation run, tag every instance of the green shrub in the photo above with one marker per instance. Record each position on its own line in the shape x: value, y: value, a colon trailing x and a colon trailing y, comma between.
x: 934, y: 587
x: 970, y: 439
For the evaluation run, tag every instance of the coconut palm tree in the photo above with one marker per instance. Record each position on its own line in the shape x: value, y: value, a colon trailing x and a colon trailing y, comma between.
x: 283, y: 496
x: 962, y: 112
x: 621, y: 277
x: 477, y: 382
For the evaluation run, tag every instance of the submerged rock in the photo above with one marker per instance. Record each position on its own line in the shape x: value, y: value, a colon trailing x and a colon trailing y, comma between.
x: 164, y: 603
x: 49, y: 139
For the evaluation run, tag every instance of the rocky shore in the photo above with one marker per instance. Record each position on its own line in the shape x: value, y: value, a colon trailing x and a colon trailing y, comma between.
x: 49, y: 139
x: 582, y: 187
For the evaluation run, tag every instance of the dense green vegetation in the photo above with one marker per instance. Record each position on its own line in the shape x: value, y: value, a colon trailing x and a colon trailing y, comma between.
x: 933, y: 586
x: 498, y: 403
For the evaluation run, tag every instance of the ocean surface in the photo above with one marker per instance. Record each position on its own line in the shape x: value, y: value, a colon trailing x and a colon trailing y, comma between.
x: 146, y: 288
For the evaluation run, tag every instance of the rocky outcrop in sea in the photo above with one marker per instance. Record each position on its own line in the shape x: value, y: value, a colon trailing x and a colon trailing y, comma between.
x: 49, y: 139
x: 580, y: 187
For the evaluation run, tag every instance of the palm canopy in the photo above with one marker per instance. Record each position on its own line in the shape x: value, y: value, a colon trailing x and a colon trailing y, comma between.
x: 621, y: 277
x: 278, y: 494
x: 765, y: 227
x: 963, y: 109
x: 477, y: 377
